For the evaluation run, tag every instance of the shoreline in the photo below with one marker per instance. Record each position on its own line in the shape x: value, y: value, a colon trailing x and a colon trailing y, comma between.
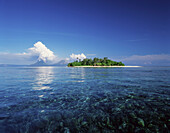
x: 105, y: 66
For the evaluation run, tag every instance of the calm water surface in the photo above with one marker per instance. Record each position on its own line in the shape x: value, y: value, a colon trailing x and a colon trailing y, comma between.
x: 61, y: 99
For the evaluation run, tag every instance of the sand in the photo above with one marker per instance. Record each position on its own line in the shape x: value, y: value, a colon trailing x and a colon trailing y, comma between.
x: 107, y: 66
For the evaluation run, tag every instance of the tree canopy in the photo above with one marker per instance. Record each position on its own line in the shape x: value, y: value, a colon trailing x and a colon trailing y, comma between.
x: 95, y: 62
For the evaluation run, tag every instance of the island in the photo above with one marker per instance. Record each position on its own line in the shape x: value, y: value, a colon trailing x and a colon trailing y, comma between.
x: 96, y: 62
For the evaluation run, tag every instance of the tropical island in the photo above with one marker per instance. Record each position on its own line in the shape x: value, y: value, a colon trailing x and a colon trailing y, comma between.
x: 105, y: 62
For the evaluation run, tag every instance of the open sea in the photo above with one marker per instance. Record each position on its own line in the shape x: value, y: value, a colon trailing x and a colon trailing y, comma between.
x: 84, y: 100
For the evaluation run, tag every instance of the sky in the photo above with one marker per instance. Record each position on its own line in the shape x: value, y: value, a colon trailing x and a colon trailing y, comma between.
x: 136, y: 32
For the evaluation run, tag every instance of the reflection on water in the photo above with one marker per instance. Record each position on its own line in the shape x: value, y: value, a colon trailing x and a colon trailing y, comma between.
x: 43, y: 78
x: 78, y: 75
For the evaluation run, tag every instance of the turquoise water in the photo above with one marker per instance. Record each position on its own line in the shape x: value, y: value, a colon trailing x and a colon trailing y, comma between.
x: 61, y: 99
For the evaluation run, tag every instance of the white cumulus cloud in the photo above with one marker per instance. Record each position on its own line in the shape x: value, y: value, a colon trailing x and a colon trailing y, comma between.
x: 79, y: 56
x: 42, y: 52
x: 38, y: 52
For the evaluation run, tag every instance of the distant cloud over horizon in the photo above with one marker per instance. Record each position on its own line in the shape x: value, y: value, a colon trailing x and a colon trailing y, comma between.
x: 79, y: 56
x: 15, y: 58
x: 91, y: 55
x: 160, y: 59
x: 36, y: 53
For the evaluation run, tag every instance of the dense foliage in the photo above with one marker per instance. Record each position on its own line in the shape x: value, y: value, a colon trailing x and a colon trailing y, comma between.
x: 95, y: 62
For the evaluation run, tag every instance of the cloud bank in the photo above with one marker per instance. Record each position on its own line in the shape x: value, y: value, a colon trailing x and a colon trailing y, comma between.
x: 77, y: 56
x: 16, y: 58
x: 159, y: 60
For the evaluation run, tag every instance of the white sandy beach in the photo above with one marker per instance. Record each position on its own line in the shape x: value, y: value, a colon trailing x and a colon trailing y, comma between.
x: 107, y: 66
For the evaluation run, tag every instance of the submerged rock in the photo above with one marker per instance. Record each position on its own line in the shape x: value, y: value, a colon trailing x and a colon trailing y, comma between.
x: 141, y: 122
x: 150, y: 125
x: 66, y: 130
x: 84, y: 123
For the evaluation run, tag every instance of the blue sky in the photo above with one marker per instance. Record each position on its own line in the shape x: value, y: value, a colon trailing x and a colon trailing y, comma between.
x: 118, y: 29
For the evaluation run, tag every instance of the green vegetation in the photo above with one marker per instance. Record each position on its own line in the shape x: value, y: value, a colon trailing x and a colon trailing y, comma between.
x: 95, y: 62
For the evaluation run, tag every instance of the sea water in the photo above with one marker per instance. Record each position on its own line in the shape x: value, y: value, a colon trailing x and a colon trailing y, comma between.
x: 62, y: 99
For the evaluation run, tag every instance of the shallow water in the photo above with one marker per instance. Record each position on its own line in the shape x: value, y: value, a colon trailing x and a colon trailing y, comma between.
x: 61, y: 99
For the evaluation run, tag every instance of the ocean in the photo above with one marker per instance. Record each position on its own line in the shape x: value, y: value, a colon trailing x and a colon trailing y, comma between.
x: 84, y: 100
